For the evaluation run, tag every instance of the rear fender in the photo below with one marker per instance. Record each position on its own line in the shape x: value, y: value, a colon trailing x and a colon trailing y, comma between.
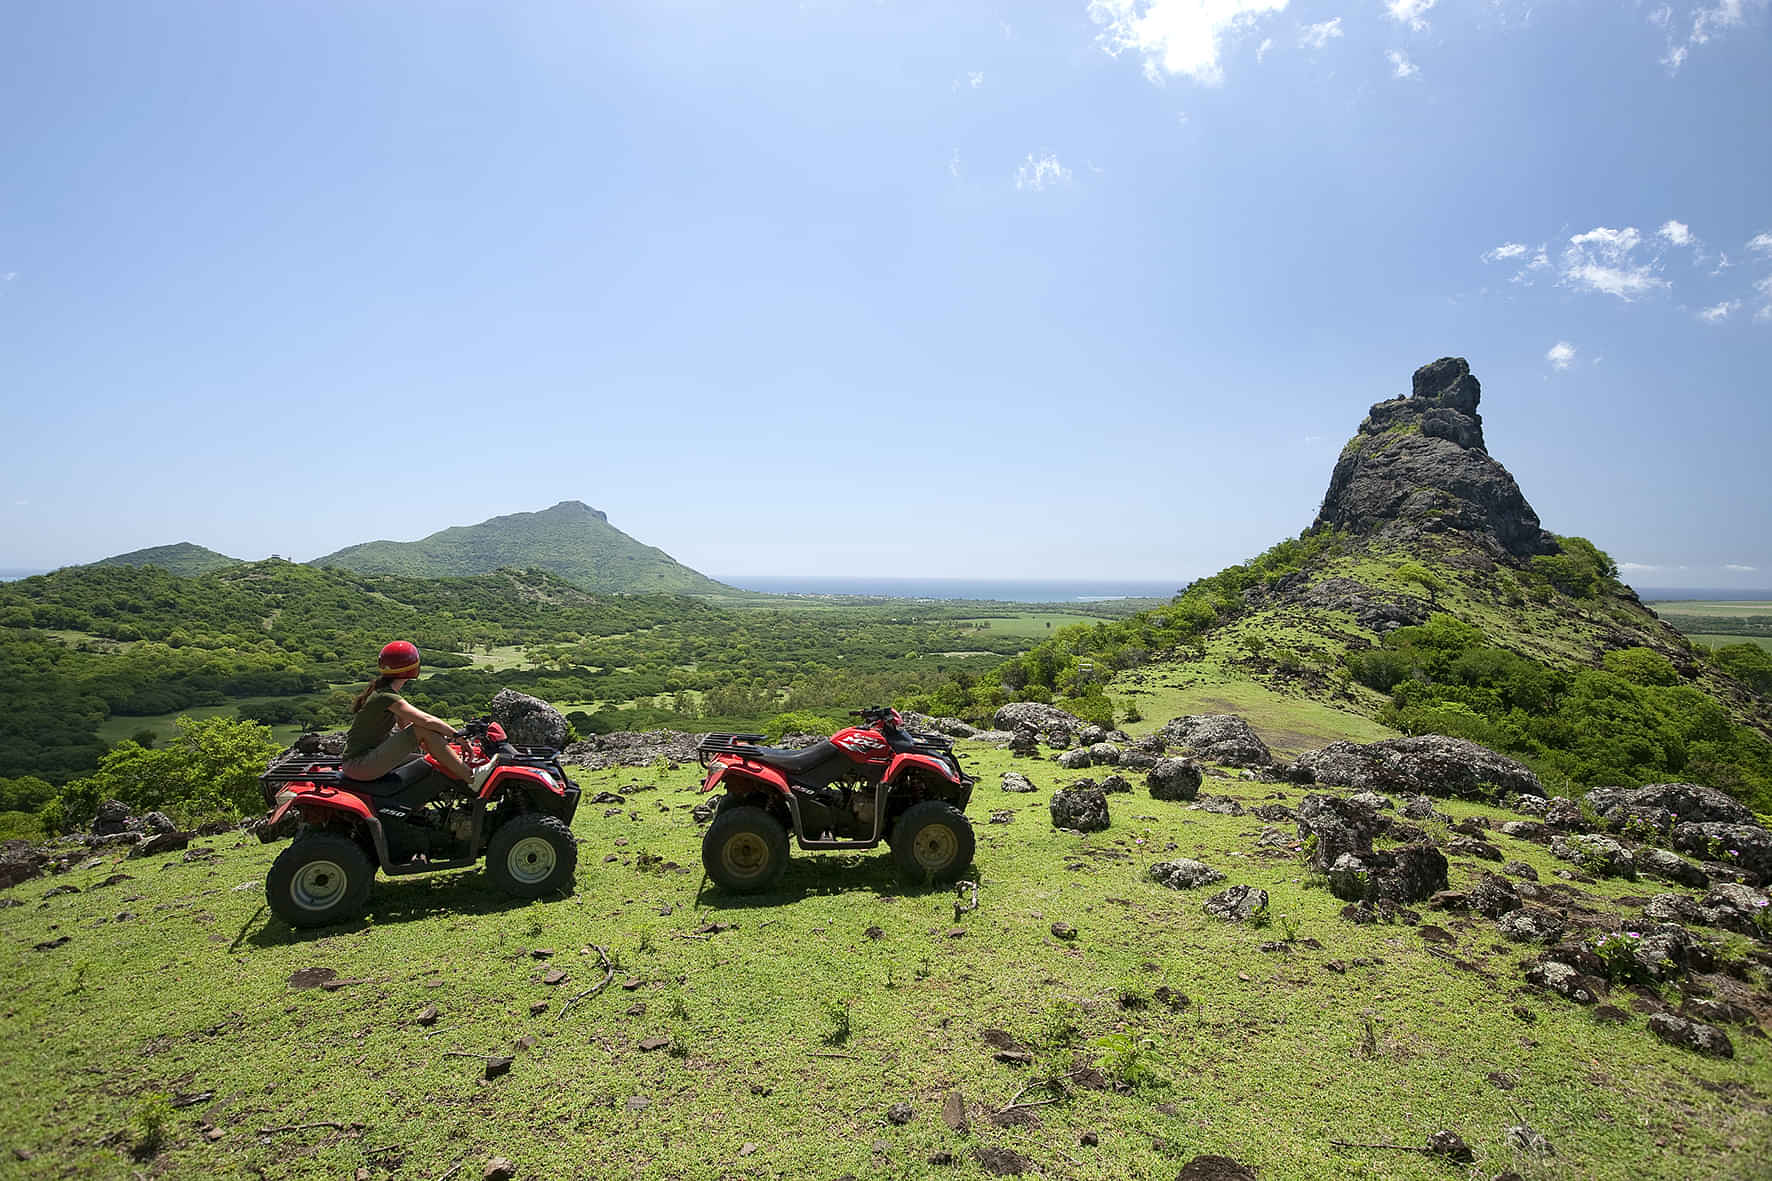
x: 742, y: 775
x: 321, y: 801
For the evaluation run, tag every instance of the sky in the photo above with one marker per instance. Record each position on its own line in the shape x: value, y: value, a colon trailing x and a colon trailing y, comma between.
x: 1085, y: 289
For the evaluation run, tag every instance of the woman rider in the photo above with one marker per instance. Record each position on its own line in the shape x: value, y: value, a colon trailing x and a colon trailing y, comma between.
x: 388, y: 731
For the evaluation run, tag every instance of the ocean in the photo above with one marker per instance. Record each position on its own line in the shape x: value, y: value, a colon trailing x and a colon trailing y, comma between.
x: 1005, y: 590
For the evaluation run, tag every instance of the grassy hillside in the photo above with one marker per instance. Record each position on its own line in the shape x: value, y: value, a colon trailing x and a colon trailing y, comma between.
x: 571, y: 539
x: 185, y: 558
x: 797, y: 1024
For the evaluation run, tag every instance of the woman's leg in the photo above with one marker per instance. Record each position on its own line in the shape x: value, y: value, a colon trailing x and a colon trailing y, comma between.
x: 438, y: 748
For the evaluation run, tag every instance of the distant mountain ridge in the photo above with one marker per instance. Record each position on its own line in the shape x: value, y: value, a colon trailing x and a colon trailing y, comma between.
x: 184, y: 558
x: 571, y: 539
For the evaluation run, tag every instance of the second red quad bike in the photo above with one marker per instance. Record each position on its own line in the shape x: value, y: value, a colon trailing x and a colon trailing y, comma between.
x: 874, y: 782
x: 416, y: 819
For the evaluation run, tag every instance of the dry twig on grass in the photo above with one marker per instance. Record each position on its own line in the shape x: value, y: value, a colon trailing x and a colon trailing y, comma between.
x: 608, y: 977
x: 352, y: 1129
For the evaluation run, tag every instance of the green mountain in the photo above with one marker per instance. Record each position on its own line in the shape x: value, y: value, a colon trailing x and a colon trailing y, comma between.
x: 1426, y: 598
x: 186, y: 559
x: 571, y: 539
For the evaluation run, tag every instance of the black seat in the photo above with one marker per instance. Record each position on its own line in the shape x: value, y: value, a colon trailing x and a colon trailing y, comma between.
x: 393, y: 783
x: 783, y: 759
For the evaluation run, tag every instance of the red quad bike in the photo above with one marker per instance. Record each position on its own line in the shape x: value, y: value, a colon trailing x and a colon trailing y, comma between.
x: 873, y: 782
x: 416, y: 819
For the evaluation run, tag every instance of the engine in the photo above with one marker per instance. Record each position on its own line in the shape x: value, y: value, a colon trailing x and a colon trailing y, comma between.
x: 437, y: 831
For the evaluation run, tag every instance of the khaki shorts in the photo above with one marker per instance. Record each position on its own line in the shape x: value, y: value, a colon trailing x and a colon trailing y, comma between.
x: 397, y: 748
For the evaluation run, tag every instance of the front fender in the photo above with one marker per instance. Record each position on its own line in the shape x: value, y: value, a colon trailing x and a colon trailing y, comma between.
x: 739, y: 771
x: 907, y: 762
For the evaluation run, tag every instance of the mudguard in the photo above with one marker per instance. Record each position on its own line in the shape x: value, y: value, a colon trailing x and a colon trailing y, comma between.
x: 906, y: 762
x: 520, y: 778
x: 745, y: 769
x: 324, y: 795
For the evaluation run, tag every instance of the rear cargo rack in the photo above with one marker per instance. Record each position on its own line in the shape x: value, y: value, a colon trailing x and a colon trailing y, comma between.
x: 726, y: 744
x: 295, y: 766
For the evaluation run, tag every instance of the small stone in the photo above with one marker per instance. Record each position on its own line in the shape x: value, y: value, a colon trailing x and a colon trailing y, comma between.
x: 427, y: 1015
x: 631, y: 984
x: 638, y: 1103
x: 747, y: 1149
x: 900, y: 1114
x: 1691, y: 1035
x: 541, y: 953
x: 956, y: 932
x: 312, y: 977
x: 554, y: 976
x: 953, y: 1111
x: 874, y: 933
x: 498, y: 1169
x: 647, y: 1045
x: 1063, y: 931
x: 1089, y: 1140
x: 538, y: 1008
x: 1451, y: 1146
x: 498, y: 1065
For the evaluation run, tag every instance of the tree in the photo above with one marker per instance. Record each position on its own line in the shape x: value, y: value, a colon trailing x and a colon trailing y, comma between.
x: 1427, y: 580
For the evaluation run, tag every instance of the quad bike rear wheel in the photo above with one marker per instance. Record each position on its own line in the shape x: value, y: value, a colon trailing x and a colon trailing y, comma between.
x: 322, y: 878
x: 932, y: 842
x: 745, y: 850
x: 531, y: 856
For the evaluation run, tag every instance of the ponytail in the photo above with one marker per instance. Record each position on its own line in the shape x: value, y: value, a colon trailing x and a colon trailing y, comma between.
x: 375, y: 686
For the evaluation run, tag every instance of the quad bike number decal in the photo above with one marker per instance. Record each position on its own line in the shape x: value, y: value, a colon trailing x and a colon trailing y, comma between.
x: 860, y: 743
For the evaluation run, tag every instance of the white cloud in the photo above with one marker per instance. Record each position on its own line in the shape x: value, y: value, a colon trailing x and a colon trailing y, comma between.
x: 1267, y: 43
x: 1740, y: 568
x: 1409, y: 12
x: 977, y: 79
x: 1504, y: 251
x: 1040, y: 174
x: 954, y: 164
x: 1764, y: 315
x: 1604, y: 260
x: 1561, y: 355
x: 1401, y: 66
x: 1719, y: 311
x: 1676, y: 233
x: 11, y: 275
x: 1177, y: 36
x: 1661, y: 16
x: 1646, y: 568
x: 1319, y: 35
x: 1762, y: 243
x: 1706, y: 24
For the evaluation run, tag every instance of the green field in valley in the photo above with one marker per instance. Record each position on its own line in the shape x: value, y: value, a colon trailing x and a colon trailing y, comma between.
x: 774, y: 1042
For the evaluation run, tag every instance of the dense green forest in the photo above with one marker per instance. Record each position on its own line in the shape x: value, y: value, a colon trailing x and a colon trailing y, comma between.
x: 86, y: 644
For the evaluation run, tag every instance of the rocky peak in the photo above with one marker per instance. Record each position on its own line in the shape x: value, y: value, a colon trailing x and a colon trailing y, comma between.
x: 578, y: 506
x: 1419, y: 465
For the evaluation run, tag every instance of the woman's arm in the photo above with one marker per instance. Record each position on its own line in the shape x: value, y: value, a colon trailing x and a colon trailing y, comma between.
x: 410, y: 715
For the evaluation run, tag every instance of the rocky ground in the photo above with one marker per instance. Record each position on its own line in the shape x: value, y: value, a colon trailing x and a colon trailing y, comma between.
x: 1359, y: 964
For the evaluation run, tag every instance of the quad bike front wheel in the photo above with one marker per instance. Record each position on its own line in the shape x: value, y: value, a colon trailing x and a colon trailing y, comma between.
x: 322, y: 878
x: 745, y: 850
x: 532, y: 855
x: 932, y: 842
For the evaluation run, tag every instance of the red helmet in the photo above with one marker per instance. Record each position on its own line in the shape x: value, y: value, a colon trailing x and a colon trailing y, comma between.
x: 399, y: 659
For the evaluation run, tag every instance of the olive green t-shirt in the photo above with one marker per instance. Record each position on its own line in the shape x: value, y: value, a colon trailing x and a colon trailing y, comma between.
x: 373, y: 723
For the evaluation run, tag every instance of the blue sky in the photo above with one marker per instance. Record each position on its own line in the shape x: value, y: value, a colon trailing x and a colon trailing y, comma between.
x: 1063, y: 290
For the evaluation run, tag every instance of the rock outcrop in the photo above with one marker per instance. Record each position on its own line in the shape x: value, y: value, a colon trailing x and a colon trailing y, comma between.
x: 529, y: 721
x: 1429, y: 764
x: 632, y: 748
x: 1225, y: 739
x: 1419, y: 465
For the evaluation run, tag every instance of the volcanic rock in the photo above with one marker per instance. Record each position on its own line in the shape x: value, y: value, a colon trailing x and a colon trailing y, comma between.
x: 1225, y: 739
x: 1033, y: 713
x: 1430, y: 764
x: 1085, y: 810
x: 529, y: 721
x: 1184, y: 874
x: 1174, y: 779
x: 1688, y: 802
x: 1419, y: 465
x: 1691, y: 1035
x: 1016, y: 781
x: 1236, y: 905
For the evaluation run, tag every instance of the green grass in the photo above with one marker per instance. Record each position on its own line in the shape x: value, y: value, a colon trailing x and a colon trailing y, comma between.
x: 1289, y: 725
x: 1711, y: 640
x: 117, y: 727
x: 1029, y: 625
x: 1265, y: 1065
x: 1720, y: 608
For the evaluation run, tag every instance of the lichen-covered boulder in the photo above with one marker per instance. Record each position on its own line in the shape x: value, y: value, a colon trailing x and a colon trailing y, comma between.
x: 1104, y: 754
x: 1331, y: 826
x: 1016, y: 781
x: 1599, y: 855
x: 1493, y: 896
x: 1184, y: 874
x: 1532, y: 925
x: 1746, y: 846
x: 1225, y: 739
x: 1114, y: 783
x: 1036, y: 714
x: 1083, y: 809
x: 1671, y: 866
x: 1564, y: 813
x: 1691, y: 1035
x: 1074, y: 760
x: 1735, y: 907
x: 1688, y: 802
x: 1238, y: 904
x: 529, y: 721
x: 1024, y: 742
x: 1429, y: 764
x: 1412, y: 873
x: 1174, y: 779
